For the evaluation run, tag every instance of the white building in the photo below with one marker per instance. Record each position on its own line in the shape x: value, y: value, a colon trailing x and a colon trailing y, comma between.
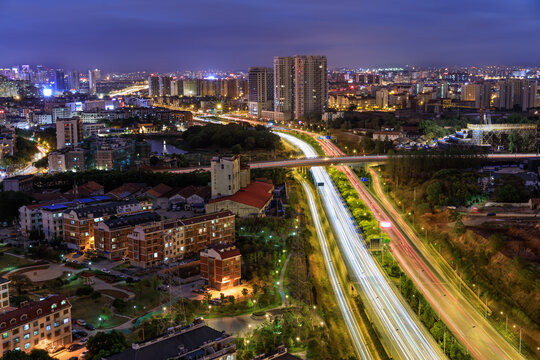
x: 260, y: 90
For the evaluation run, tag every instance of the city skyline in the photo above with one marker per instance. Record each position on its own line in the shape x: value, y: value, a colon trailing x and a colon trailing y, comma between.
x: 115, y: 37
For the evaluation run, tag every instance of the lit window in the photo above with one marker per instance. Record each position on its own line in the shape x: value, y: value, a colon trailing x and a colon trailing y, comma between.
x: 26, y: 326
x: 5, y: 335
x: 26, y: 336
x: 155, y: 255
x: 27, y: 345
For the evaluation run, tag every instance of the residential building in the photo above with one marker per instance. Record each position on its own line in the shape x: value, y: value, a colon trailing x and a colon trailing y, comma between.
x: 59, y: 85
x: 111, y: 236
x: 480, y: 94
x: 310, y: 85
x: 44, y: 324
x: 165, y: 86
x: 79, y: 223
x: 4, y: 293
x: 146, y: 247
x: 520, y: 93
x: 284, y: 84
x: 51, y: 218
x: 152, y: 244
x: 94, y: 76
x: 115, y: 154
x: 194, y: 341
x: 62, y: 113
x: 40, y: 118
x: 221, y: 266
x: 69, y: 132
x: 8, y: 142
x: 153, y: 85
x: 228, y: 175
x: 261, y: 90
x: 254, y: 200
x: 73, y: 81
x: 381, y: 98
x: 67, y: 159
x: 91, y: 129
x: 24, y: 183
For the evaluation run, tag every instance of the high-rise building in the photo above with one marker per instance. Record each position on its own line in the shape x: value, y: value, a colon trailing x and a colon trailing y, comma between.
x: 284, y: 84
x: 68, y: 132
x: 261, y: 90
x: 191, y: 88
x: 94, y: 76
x: 519, y: 93
x: 153, y: 85
x: 310, y: 85
x: 479, y: 93
x: 300, y: 85
x: 177, y: 87
x: 59, y: 85
x: 73, y: 81
x: 165, y: 86
x: 381, y: 98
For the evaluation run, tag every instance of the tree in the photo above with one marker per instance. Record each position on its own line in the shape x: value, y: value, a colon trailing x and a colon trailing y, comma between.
x: 154, y: 160
x: 459, y: 227
x: 105, y: 344
x: 434, y: 193
x: 35, y: 354
x: 245, y: 292
x: 20, y: 282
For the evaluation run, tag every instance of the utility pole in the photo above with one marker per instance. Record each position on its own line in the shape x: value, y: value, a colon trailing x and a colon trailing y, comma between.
x: 444, y: 342
x: 520, y: 339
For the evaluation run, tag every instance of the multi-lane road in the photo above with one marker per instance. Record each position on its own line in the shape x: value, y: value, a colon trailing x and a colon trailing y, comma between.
x: 403, y: 337
x: 437, y: 284
x: 348, y: 315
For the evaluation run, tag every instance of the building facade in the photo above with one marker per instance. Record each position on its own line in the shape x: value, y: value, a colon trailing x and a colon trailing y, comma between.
x: 261, y: 90
x: 44, y: 324
x: 221, y: 266
x: 69, y: 132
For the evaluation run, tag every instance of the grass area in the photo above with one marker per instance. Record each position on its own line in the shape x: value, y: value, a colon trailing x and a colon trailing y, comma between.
x: 114, y: 293
x: 146, y: 299
x: 9, y: 263
x: 92, y: 309
x: 68, y: 290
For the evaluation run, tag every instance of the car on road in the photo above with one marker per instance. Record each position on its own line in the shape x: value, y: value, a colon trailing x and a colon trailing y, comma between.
x: 84, y: 353
x: 105, y: 270
x: 491, y: 214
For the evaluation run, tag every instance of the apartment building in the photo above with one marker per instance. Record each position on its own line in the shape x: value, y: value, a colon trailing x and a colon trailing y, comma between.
x: 40, y: 324
x: 111, y: 236
x: 193, y: 341
x: 221, y: 266
x: 79, y: 223
x: 4, y: 293
x: 152, y: 244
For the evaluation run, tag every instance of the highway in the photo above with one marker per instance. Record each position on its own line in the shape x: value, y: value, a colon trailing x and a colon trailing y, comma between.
x: 438, y: 285
x: 350, y: 321
x: 403, y: 336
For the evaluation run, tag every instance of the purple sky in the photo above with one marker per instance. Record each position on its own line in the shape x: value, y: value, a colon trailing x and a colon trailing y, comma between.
x: 168, y: 35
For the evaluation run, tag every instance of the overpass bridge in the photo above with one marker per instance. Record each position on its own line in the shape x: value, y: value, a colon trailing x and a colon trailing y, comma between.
x: 341, y: 160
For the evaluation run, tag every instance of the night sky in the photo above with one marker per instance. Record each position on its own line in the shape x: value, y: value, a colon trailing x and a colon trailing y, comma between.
x: 168, y: 35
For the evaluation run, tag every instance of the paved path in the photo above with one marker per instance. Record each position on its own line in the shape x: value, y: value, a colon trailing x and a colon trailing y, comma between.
x: 282, y: 280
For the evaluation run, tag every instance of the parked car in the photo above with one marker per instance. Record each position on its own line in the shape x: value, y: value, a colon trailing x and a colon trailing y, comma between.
x: 107, y: 271
x: 83, y: 341
x: 81, y: 322
x: 82, y: 333
x: 89, y: 327
x: 75, y: 347
x: 73, y: 358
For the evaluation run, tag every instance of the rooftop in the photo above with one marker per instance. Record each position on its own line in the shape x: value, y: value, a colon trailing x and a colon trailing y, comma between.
x: 33, y: 310
x: 182, y: 341
x: 207, y: 217
x: 257, y: 194
x: 133, y: 219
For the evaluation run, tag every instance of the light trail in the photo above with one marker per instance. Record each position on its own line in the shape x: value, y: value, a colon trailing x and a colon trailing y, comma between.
x: 403, y: 335
x: 352, y: 326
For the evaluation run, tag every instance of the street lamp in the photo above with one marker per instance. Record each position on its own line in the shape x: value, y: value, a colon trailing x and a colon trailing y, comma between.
x: 506, y: 322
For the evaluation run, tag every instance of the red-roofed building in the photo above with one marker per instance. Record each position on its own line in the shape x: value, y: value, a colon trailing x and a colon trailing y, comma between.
x: 40, y: 324
x: 252, y: 200
x: 91, y: 188
x: 221, y: 266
